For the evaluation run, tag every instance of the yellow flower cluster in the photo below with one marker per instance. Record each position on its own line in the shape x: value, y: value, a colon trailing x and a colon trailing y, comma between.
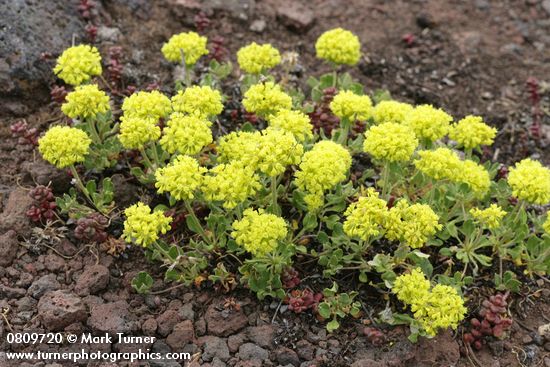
x: 259, y: 232
x: 277, y: 150
x: 471, y: 132
x: 365, y: 217
x: 86, y: 101
x: 256, y: 59
x: 143, y: 227
x: 438, y: 308
x: 530, y: 181
x: 439, y: 164
x: 412, y: 224
x: 147, y: 105
x: 412, y: 286
x: 339, y: 46
x: 190, y: 45
x: 391, y: 111
x: 265, y: 99
x: 322, y: 168
x: 230, y: 183
x: 475, y: 176
x: 240, y: 146
x: 445, y: 164
x: 391, y: 142
x: 203, y: 102
x: 351, y: 106
x: 489, y: 217
x: 64, y: 146
x: 295, y: 122
x: 181, y: 178
x: 429, y: 122
x: 186, y: 134
x: 136, y: 132
x: 78, y: 64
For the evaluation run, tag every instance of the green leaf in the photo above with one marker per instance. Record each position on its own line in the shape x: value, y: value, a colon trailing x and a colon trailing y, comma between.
x: 142, y: 282
x: 91, y: 187
x: 193, y: 224
x: 309, y: 222
x: 333, y: 325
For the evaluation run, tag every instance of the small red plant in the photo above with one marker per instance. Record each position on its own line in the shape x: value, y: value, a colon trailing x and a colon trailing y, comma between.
x: 43, y: 206
x: 375, y: 336
x: 58, y: 94
x: 534, y: 97
x: 91, y: 31
x: 409, y: 39
x: 85, y: 8
x: 322, y: 117
x: 92, y: 228
x: 218, y: 51
x: 114, y: 66
x: 290, y: 278
x: 300, y: 300
x: 25, y: 134
x: 493, y: 321
x: 201, y: 21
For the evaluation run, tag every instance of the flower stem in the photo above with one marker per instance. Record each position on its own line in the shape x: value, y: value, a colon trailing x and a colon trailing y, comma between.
x: 81, y: 187
x: 385, y: 180
x: 156, y: 155
x: 344, y: 131
x: 191, y: 212
x: 146, y: 158
x: 274, y: 205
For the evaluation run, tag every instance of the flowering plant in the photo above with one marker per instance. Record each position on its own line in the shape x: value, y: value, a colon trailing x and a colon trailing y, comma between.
x: 392, y: 195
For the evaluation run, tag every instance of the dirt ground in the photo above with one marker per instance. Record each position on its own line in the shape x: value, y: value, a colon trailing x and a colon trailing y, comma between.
x: 490, y: 58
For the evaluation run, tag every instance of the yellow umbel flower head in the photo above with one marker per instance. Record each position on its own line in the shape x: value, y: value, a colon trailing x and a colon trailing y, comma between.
x: 64, y: 146
x: 530, y: 181
x: 441, y: 309
x: 351, y: 106
x: 265, y: 99
x: 471, y: 132
x: 322, y: 168
x: 295, y: 122
x: 190, y: 45
x: 186, y: 134
x: 428, y: 122
x: 181, y: 178
x: 475, y: 176
x: 339, y: 47
x: 147, y: 105
x: 489, y: 217
x: 78, y: 64
x: 200, y: 101
x: 143, y: 227
x: 411, y: 287
x: 438, y: 308
x: 546, y: 224
x: 391, y: 111
x: 86, y: 101
x: 365, y: 217
x: 390, y: 142
x: 277, y: 150
x: 136, y: 132
x: 241, y: 146
x: 259, y: 232
x: 230, y: 183
x: 412, y: 224
x: 439, y: 164
x: 256, y: 59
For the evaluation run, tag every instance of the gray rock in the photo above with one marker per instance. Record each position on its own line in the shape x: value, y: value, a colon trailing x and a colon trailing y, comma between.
x: 262, y: 335
x: 9, y: 292
x: 295, y: 15
x: 108, y: 34
x: 42, y: 285
x: 8, y: 247
x: 214, y: 347
x: 250, y: 351
x: 110, y: 318
x: 258, y: 25
x: 182, y: 334
x: 30, y: 28
x: 285, y: 356
x: 95, y: 278
x: 59, y: 309
x: 546, y: 6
